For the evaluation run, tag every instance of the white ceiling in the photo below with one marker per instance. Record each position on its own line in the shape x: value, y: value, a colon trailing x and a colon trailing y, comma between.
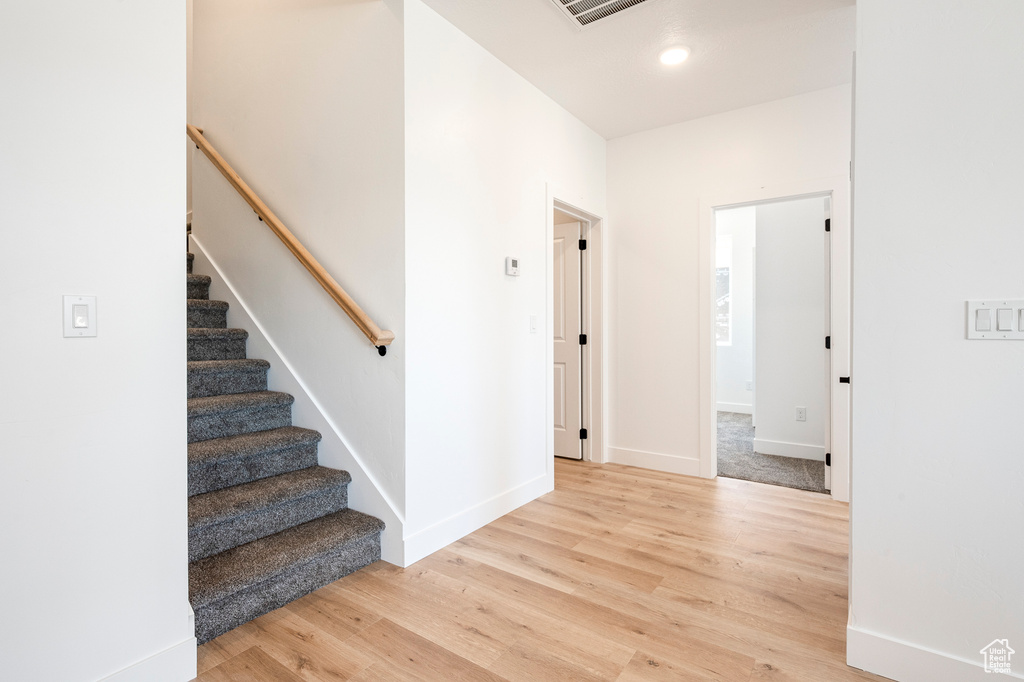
x: 743, y: 52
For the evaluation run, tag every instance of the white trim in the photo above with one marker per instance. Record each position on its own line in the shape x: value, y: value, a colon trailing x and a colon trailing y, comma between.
x: 838, y: 188
x: 365, y: 493
x: 188, y: 218
x: 783, y: 449
x: 174, y: 664
x: 738, y: 408
x: 687, y: 466
x: 907, y: 662
x: 441, y: 534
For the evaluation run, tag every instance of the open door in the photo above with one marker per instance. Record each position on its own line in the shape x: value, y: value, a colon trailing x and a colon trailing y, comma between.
x: 828, y: 342
x: 567, y: 326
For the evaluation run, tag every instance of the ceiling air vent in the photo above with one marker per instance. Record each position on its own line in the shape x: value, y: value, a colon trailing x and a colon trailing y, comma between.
x: 585, y: 12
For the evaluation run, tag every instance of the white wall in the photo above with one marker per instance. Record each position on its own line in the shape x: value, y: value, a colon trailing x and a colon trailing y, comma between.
x: 656, y: 181
x: 790, y: 333
x: 482, y: 147
x: 938, y: 486
x: 188, y: 106
x: 92, y: 439
x: 305, y: 100
x: 735, y: 361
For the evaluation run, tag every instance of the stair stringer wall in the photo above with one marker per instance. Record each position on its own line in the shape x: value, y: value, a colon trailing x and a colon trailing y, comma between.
x: 364, y: 493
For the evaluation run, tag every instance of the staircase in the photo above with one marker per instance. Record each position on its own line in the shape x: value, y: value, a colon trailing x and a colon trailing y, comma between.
x: 266, y: 524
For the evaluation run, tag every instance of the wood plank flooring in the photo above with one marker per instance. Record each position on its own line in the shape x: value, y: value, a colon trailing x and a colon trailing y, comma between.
x: 619, y: 574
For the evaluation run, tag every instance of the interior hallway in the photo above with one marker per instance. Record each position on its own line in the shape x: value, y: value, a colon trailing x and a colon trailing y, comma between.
x: 619, y: 574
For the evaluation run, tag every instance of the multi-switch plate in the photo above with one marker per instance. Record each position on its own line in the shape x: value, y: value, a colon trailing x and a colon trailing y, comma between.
x: 995, y: 319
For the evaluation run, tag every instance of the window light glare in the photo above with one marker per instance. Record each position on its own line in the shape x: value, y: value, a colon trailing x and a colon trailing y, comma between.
x: 674, y: 55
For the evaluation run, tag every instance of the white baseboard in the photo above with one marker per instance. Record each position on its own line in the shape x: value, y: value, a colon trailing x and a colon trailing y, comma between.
x: 176, y: 664
x: 688, y: 466
x: 784, y: 449
x: 738, y: 408
x: 905, y: 662
x: 427, y: 541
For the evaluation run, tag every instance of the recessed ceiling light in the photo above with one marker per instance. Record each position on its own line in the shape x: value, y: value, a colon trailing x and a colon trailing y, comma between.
x: 674, y: 55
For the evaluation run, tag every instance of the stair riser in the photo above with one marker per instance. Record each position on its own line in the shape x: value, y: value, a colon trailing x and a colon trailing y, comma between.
x: 220, y: 424
x: 188, y: 262
x: 200, y: 290
x: 209, y: 540
x: 203, y: 384
x: 206, y: 478
x: 206, y: 348
x: 241, y: 607
x: 211, y: 318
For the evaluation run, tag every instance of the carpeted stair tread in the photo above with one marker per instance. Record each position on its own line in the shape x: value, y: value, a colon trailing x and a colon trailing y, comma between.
x: 233, y: 460
x: 229, y: 415
x: 215, y: 344
x: 202, y: 312
x: 249, y: 444
x: 221, y: 366
x: 230, y: 517
x: 221, y: 377
x: 206, y: 303
x: 254, y: 563
x: 240, y: 401
x: 208, y: 333
x: 239, y: 500
x: 197, y: 286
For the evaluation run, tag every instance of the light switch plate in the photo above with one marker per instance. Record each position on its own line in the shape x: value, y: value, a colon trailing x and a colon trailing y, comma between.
x: 79, y: 316
x: 1001, y: 315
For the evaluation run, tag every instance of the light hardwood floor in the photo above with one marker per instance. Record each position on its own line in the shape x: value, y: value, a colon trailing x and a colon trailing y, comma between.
x: 619, y: 574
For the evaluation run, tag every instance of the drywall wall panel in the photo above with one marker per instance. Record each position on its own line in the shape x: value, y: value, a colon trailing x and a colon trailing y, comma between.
x: 656, y: 181
x: 92, y: 437
x: 938, y: 486
x: 483, y: 149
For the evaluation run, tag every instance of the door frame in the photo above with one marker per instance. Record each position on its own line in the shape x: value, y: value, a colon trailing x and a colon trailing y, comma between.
x: 838, y: 188
x: 593, y: 363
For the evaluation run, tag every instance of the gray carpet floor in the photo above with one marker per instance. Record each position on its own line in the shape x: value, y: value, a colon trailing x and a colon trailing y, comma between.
x: 737, y: 459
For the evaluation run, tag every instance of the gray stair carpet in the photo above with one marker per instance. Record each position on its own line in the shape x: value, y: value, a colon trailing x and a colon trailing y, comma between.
x: 266, y: 524
x: 737, y: 459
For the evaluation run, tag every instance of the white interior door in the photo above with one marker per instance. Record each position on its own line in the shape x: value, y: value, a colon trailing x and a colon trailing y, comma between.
x: 567, y: 330
x: 792, y: 310
x: 828, y: 351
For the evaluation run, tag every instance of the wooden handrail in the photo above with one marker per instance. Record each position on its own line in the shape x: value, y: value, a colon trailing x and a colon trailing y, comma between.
x: 381, y: 338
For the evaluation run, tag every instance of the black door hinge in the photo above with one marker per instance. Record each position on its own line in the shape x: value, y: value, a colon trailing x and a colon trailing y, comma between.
x: 583, y: 339
x: 828, y: 459
x: 844, y: 380
x: 828, y: 343
x: 583, y: 245
x: 583, y: 434
x: 828, y: 224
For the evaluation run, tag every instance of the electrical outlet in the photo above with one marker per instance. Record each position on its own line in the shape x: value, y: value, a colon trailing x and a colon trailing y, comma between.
x: 801, y: 414
x: 750, y: 385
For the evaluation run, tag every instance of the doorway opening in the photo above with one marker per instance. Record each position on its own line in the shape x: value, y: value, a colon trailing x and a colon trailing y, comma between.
x: 835, y: 258
x: 576, y: 336
x: 772, y: 342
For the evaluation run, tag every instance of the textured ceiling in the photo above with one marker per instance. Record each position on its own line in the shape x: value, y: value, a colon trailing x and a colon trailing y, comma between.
x: 743, y: 52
